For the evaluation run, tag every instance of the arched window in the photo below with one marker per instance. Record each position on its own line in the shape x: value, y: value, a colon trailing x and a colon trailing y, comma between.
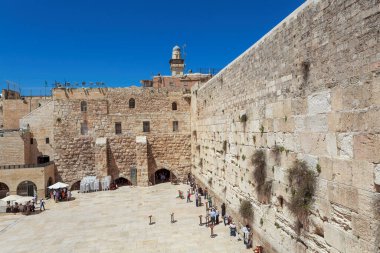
x: 174, y: 106
x: 132, y: 103
x: 83, y: 106
x: 27, y: 188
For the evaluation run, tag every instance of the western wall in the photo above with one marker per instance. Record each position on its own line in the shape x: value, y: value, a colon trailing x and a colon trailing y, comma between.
x: 309, y: 91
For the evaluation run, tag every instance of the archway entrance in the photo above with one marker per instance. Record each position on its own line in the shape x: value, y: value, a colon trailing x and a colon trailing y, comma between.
x: 3, y: 190
x: 75, y: 186
x: 49, y: 182
x: 162, y: 176
x: 27, y: 188
x: 121, y: 181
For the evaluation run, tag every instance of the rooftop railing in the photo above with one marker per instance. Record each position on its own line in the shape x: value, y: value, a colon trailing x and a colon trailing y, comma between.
x: 23, y: 166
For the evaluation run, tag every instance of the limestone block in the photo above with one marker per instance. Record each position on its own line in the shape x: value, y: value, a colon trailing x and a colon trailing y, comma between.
x: 319, y: 103
x: 377, y: 174
x: 362, y: 175
x: 343, y: 195
x: 335, y: 237
x: 363, y: 227
x: 367, y: 147
x: 342, y: 171
x: 336, y: 99
x: 316, y: 123
x: 345, y: 143
x: 331, y: 144
x: 326, y: 164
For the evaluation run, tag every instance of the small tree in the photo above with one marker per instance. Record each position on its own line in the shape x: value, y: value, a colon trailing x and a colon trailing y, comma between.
x: 246, y: 209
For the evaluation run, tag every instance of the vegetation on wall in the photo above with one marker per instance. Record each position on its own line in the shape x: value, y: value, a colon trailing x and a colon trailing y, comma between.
x: 259, y: 164
x: 302, y: 182
x: 225, y: 146
x: 210, y: 181
x: 243, y: 118
x: 246, y: 209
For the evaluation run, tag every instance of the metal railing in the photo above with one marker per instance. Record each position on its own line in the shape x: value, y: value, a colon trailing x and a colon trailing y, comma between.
x: 23, y: 166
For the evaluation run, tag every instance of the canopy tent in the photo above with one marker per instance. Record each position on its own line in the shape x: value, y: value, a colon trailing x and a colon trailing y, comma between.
x: 11, y: 198
x: 17, y: 198
x: 58, y: 185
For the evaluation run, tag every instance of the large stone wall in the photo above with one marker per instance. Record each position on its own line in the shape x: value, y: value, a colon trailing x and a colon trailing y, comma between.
x: 15, y: 109
x: 15, y: 148
x: 310, y: 87
x: 40, y: 123
x: 76, y: 154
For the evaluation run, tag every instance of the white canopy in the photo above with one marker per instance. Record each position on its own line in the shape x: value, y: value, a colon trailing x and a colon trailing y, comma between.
x: 11, y: 198
x: 58, y: 185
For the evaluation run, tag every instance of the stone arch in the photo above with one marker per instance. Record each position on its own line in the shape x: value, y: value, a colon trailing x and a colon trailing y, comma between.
x: 49, y: 182
x: 162, y: 175
x: 26, y: 188
x: 4, y: 189
x: 75, y: 186
x: 122, y: 181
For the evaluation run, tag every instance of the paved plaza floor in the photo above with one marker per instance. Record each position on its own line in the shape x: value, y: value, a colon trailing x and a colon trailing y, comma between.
x: 116, y: 221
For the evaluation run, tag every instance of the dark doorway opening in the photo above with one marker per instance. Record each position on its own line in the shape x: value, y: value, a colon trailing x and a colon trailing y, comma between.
x: 121, y: 181
x: 43, y: 159
x: 4, y: 189
x: 162, y: 176
x: 27, y: 188
x: 76, y: 186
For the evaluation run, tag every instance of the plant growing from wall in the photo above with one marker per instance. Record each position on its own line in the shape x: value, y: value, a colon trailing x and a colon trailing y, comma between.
x: 243, y: 157
x: 259, y: 164
x: 210, y: 181
x: 262, y: 130
x: 246, y: 209
x: 200, y: 162
x: 302, y: 183
x: 243, y: 118
x: 225, y: 146
x: 59, y: 120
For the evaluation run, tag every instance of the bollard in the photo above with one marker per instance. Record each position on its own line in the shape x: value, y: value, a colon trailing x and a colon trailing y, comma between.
x: 200, y: 220
x: 207, y: 206
x: 212, y: 230
x: 172, y: 217
x: 150, y: 219
x: 207, y: 220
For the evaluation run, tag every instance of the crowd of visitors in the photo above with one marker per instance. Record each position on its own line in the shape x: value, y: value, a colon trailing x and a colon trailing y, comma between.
x: 27, y: 208
x: 60, y: 194
x: 213, y: 215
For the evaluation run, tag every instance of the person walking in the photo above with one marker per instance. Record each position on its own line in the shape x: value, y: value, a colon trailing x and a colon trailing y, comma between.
x: 42, y: 204
x: 223, y: 206
x: 196, y: 198
x: 188, y: 196
x: 217, y: 216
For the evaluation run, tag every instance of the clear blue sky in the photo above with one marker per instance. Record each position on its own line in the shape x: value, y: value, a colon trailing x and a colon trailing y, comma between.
x: 121, y: 42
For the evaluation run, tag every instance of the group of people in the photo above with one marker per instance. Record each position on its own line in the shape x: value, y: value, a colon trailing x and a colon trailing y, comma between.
x: 28, y: 208
x: 60, y: 194
x: 245, y: 233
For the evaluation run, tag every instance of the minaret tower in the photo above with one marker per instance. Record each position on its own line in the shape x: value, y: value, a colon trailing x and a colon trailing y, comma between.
x: 177, y: 64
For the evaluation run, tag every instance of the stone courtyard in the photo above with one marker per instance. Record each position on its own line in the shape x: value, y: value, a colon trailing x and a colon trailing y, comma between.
x: 116, y: 221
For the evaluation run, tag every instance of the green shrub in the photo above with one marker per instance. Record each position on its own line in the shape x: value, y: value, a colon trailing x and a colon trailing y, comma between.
x: 303, y: 184
x: 246, y: 209
x: 225, y: 146
x: 259, y: 164
x: 243, y: 118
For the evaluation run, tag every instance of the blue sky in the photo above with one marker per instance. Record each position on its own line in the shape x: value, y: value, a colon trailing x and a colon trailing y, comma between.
x: 121, y: 42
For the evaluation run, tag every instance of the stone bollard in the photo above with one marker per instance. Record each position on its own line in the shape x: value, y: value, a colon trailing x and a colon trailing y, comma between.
x: 212, y: 230
x: 207, y: 220
x: 207, y: 206
x: 200, y: 220
x: 172, y: 217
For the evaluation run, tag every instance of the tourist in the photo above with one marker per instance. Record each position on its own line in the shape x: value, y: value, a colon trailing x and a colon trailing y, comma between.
x: 225, y: 220
x: 188, y: 196
x: 42, y: 204
x: 206, y: 193
x: 55, y: 195
x: 245, y: 232
x: 232, y: 229
x: 217, y: 216
x: 209, y: 201
x: 213, y: 216
x: 68, y: 195
x: 229, y: 220
x: 196, y: 198
x: 223, y: 206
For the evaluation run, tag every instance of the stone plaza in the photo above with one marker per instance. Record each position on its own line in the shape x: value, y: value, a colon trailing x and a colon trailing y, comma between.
x: 117, y: 221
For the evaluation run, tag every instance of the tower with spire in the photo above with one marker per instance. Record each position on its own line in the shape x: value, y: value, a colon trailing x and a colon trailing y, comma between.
x: 177, y: 64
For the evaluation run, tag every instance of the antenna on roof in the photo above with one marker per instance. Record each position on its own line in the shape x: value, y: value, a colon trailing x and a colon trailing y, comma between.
x: 184, y: 56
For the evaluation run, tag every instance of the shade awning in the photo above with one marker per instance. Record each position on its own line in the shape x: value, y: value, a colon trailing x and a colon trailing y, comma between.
x: 58, y: 185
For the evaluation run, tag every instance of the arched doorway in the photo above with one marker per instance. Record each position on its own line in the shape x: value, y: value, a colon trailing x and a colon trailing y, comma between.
x: 121, y: 181
x: 49, y: 182
x: 163, y: 176
x: 4, y: 189
x: 75, y: 186
x: 27, y: 188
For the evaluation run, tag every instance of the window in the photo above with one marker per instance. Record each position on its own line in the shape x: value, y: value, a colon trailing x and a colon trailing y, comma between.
x: 31, y: 140
x: 132, y: 103
x: 47, y: 141
x: 117, y: 127
x: 83, y: 106
x: 174, y: 106
x: 83, y: 128
x: 175, y: 126
x: 146, y: 126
